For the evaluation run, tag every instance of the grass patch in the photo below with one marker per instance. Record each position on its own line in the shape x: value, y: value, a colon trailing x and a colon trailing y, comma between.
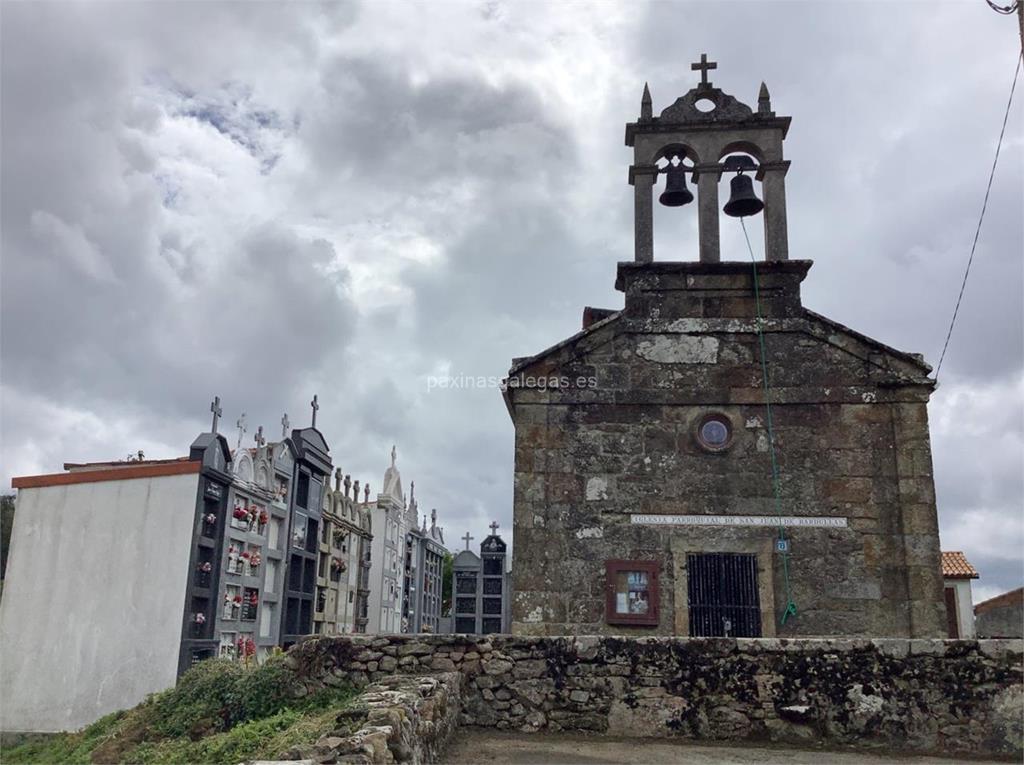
x: 218, y: 713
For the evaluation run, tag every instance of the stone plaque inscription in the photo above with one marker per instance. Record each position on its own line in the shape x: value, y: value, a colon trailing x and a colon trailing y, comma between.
x: 829, y: 522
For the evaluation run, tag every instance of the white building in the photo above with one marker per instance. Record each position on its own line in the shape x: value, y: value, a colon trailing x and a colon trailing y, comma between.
x: 389, y: 524
x: 100, y: 606
x: 957, y: 574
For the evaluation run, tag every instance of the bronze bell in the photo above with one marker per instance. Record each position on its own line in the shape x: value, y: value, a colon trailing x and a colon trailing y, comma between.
x: 742, y: 199
x: 675, y: 194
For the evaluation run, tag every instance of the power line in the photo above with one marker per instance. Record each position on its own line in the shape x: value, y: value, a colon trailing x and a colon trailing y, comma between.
x: 984, y: 206
x: 1006, y: 10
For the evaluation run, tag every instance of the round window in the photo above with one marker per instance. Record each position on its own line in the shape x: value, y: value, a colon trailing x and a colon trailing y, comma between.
x: 714, y: 432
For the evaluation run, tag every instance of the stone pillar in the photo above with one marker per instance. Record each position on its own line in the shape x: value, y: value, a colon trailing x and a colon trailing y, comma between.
x: 707, y: 216
x: 773, y: 185
x: 643, y: 212
x: 918, y: 521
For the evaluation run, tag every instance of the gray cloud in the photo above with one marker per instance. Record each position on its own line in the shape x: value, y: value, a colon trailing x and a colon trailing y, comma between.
x: 266, y: 201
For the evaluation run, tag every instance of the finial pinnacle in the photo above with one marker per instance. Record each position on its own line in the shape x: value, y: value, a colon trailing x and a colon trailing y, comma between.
x: 394, y: 455
x: 645, y: 104
x: 764, y: 101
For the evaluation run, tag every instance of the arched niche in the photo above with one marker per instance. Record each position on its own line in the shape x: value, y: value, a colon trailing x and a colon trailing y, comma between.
x: 263, y: 474
x: 243, y: 466
x: 749, y: 148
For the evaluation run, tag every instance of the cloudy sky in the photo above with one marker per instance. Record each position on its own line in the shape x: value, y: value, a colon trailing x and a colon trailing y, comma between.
x: 266, y: 200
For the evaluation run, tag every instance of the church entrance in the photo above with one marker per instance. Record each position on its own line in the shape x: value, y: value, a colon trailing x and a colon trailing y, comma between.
x: 722, y: 595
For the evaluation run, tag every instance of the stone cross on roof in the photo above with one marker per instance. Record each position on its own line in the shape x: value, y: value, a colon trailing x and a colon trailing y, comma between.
x: 284, y: 425
x: 494, y: 529
x: 217, y: 411
x: 703, y: 66
x: 241, y: 429
x: 467, y: 539
x: 316, y: 406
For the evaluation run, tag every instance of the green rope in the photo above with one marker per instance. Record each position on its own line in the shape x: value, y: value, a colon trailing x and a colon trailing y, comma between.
x: 790, y: 609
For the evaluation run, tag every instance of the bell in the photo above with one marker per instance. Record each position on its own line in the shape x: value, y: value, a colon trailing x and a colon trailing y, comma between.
x: 742, y: 199
x: 675, y: 194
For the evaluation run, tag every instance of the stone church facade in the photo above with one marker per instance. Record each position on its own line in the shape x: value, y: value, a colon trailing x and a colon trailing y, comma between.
x: 644, y: 493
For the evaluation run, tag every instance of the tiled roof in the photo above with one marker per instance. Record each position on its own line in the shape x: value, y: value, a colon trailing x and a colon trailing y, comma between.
x: 1011, y: 598
x: 955, y: 566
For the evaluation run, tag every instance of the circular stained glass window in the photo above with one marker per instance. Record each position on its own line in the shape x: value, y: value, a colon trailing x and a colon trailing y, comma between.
x: 714, y: 432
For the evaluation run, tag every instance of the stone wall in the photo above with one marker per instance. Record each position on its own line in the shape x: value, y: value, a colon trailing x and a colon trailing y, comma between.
x: 851, y: 431
x: 400, y: 718
x: 953, y: 697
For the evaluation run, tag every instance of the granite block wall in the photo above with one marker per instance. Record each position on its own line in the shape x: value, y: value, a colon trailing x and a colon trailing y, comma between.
x: 953, y: 697
x: 852, y: 442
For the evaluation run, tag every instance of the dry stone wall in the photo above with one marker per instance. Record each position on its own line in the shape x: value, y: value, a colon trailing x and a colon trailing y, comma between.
x: 399, y: 719
x: 953, y: 697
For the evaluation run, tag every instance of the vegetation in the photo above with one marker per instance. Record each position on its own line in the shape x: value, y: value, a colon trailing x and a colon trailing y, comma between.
x: 220, y: 712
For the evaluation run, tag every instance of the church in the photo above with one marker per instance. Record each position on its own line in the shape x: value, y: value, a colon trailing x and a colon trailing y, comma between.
x: 715, y: 459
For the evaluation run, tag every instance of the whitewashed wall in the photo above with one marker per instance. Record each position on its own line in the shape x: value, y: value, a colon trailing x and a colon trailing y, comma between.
x: 964, y: 606
x: 91, y: 615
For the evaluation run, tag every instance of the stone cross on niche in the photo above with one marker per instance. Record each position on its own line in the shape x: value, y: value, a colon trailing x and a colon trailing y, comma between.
x: 494, y: 529
x: 316, y: 407
x: 217, y: 411
x: 703, y: 66
x: 467, y: 539
x: 241, y: 429
x: 284, y: 425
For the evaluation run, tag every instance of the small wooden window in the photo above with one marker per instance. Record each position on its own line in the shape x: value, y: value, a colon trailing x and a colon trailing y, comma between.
x: 632, y: 592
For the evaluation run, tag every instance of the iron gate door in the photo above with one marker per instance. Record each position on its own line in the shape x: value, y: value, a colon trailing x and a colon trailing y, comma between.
x: 722, y: 594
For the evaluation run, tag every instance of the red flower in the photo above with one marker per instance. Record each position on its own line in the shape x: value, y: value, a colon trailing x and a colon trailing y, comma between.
x: 238, y: 598
x: 263, y: 516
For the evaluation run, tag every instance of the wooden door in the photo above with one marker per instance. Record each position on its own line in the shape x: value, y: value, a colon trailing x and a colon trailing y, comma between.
x: 952, y: 618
